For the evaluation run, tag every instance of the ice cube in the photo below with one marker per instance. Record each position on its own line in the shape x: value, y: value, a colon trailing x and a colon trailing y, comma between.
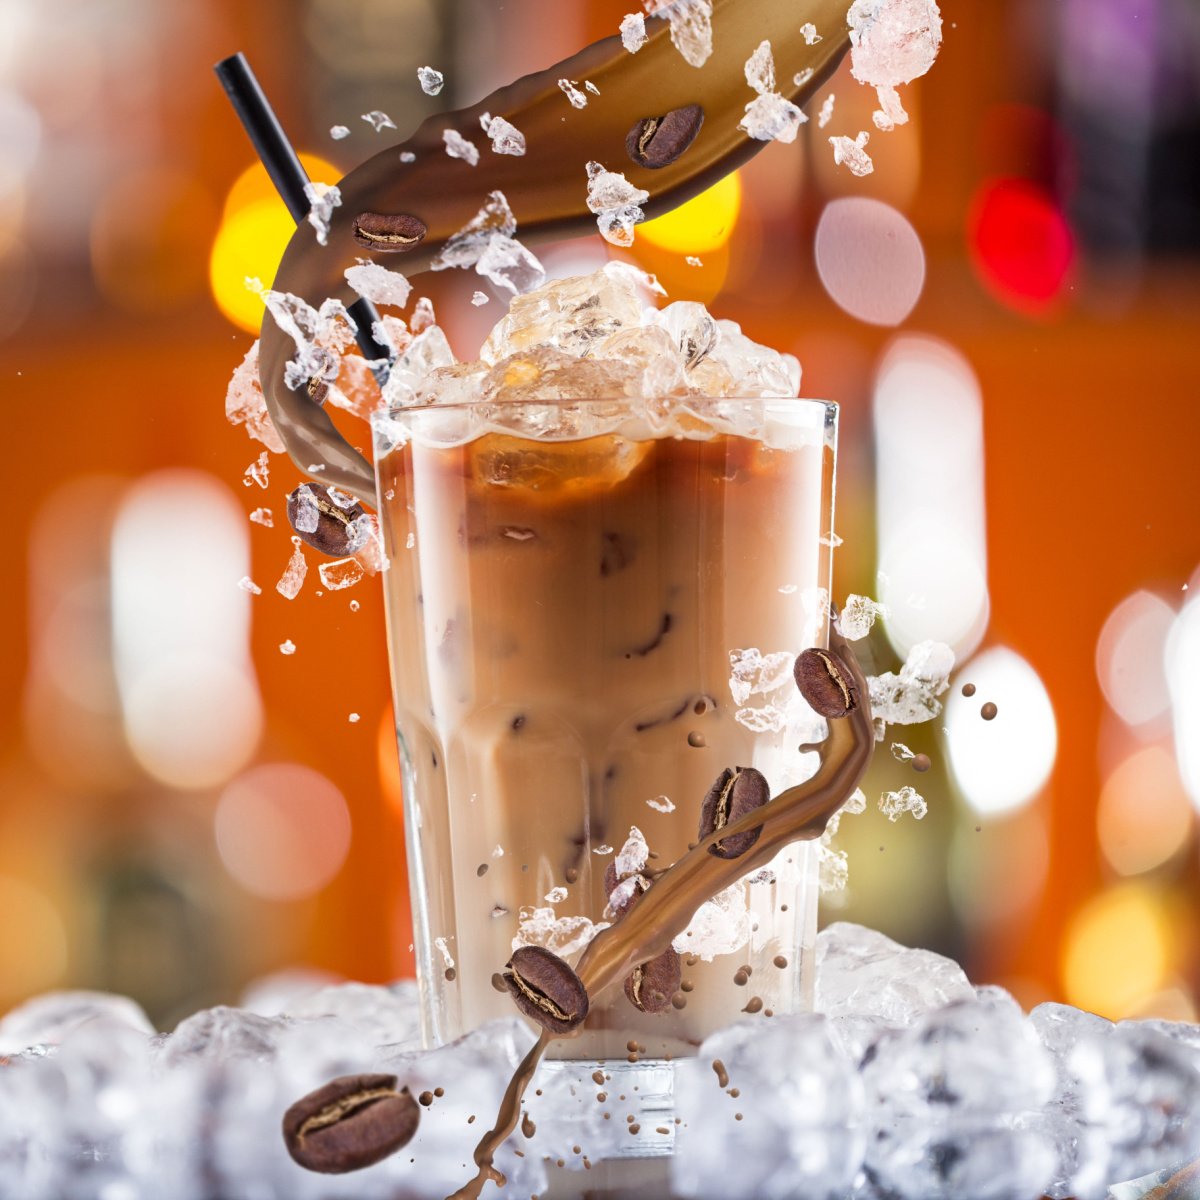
x: 633, y: 32
x: 431, y: 81
x: 245, y: 404
x: 505, y: 137
x: 248, y: 585
x: 262, y: 516
x: 464, y: 248
x: 691, y: 27
x: 891, y: 112
x: 616, y: 203
x: 571, y: 315
x: 258, y: 472
x: 691, y: 327
x: 292, y: 579
x: 272, y: 994
x: 861, y: 972
x: 719, y: 926
x: 653, y: 352
x: 379, y: 284
x: 222, y: 1034
x: 423, y: 316
x: 458, y: 146
x: 341, y: 573
x: 378, y: 121
x: 802, y: 1108
x: 461, y: 383
x: 809, y: 32
x: 893, y: 41
x: 428, y: 351
x: 577, y: 98
x: 851, y: 152
x: 826, y: 113
x: 510, y: 266
x: 563, y: 936
x: 338, y: 132
x: 51, y: 1018
x: 894, y: 805
x: 753, y: 369
x: 858, y: 615
x: 772, y: 117
x: 760, y: 69
x: 322, y: 200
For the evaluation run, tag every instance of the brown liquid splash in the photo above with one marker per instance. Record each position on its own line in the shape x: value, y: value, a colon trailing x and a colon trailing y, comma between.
x: 664, y: 911
x: 547, y: 186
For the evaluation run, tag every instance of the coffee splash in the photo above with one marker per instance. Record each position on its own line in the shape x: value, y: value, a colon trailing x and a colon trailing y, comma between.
x: 670, y: 128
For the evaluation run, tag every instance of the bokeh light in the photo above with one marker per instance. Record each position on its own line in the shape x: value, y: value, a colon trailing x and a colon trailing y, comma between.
x: 33, y: 941
x: 1021, y: 244
x: 254, y: 232
x: 704, y: 223
x: 282, y: 831
x: 1183, y: 680
x: 1118, y: 951
x: 932, y: 571
x: 1144, y: 817
x: 870, y: 260
x: 1129, y: 658
x: 1002, y: 764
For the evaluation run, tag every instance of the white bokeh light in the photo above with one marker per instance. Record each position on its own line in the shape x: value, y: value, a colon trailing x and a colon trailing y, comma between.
x: 1129, y: 658
x: 181, y: 629
x: 1002, y: 764
x: 282, y: 831
x: 870, y: 260
x: 1182, y: 658
x: 932, y: 573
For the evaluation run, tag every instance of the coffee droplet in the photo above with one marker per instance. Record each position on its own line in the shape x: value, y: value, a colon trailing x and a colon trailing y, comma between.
x: 350, y: 1123
x: 545, y: 989
x: 921, y: 762
x: 389, y: 234
x: 736, y: 792
x: 968, y: 690
x: 826, y: 683
x: 656, y: 142
x: 696, y: 740
x: 988, y: 711
x: 653, y: 984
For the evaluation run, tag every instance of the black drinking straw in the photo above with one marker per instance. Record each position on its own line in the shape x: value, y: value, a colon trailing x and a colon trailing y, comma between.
x: 290, y: 180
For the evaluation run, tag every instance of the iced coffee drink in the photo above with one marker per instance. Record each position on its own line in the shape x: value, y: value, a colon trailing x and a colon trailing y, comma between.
x: 607, y: 539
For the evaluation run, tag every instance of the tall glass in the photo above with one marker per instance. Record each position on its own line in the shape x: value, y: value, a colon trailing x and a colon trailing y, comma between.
x: 592, y: 611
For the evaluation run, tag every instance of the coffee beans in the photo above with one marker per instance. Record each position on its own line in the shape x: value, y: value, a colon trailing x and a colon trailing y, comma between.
x: 350, y: 1123
x: 336, y: 533
x: 389, y: 233
x: 545, y: 989
x: 737, y: 791
x: 653, y: 984
x: 656, y: 142
x: 826, y: 683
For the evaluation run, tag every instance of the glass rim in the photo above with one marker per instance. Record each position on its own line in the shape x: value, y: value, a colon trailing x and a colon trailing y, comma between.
x: 402, y: 412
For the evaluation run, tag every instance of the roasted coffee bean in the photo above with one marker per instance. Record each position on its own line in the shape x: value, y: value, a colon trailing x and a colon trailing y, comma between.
x: 336, y: 533
x: 389, y: 233
x: 350, y: 1123
x: 652, y: 984
x: 545, y: 989
x: 737, y: 791
x: 656, y: 142
x: 826, y: 683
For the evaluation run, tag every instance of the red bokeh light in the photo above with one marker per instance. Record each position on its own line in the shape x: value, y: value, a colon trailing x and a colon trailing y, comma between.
x: 1021, y: 245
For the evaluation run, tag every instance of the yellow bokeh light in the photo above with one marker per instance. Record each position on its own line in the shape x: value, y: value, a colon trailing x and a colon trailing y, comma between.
x: 255, y: 230
x: 1145, y: 817
x: 33, y: 941
x: 1118, y: 951
x: 705, y: 223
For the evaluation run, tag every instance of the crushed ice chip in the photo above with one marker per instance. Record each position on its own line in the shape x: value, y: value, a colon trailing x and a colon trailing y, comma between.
x: 378, y: 121
x: 563, y: 936
x: 407, y: 156
x: 308, y: 512
x: 893, y: 41
x: 760, y: 69
x: 894, y: 805
x: 248, y: 585
x: 318, y: 334
x: 343, y: 573
x: 802, y: 77
x: 338, y: 132
x: 890, y: 112
x: 901, y: 753
x: 511, y: 266
x: 633, y: 32
x: 479, y: 299
x: 752, y: 673
x: 431, y: 81
x: 505, y: 137
x: 719, y: 926
x: 353, y: 718
x: 262, y: 516
x: 661, y: 804
x: 772, y: 118
x: 858, y: 616
x: 572, y: 93
x: 288, y: 647
x: 691, y: 27
x: 292, y: 579
x: 487, y: 243
x: 634, y: 855
x: 246, y: 405
x: 444, y: 950
x: 259, y: 471
x: 826, y: 113
x: 851, y: 153
x: 616, y: 203
x: 322, y: 199
x: 809, y: 32
x: 458, y: 146
x: 556, y: 895
x: 379, y: 284
x: 911, y: 697
x: 693, y: 261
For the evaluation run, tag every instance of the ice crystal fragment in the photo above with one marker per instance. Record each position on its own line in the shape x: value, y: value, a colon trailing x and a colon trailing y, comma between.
x: 431, y: 81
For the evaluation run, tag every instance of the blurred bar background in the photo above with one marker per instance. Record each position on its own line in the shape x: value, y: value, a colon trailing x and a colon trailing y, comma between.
x: 184, y: 807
